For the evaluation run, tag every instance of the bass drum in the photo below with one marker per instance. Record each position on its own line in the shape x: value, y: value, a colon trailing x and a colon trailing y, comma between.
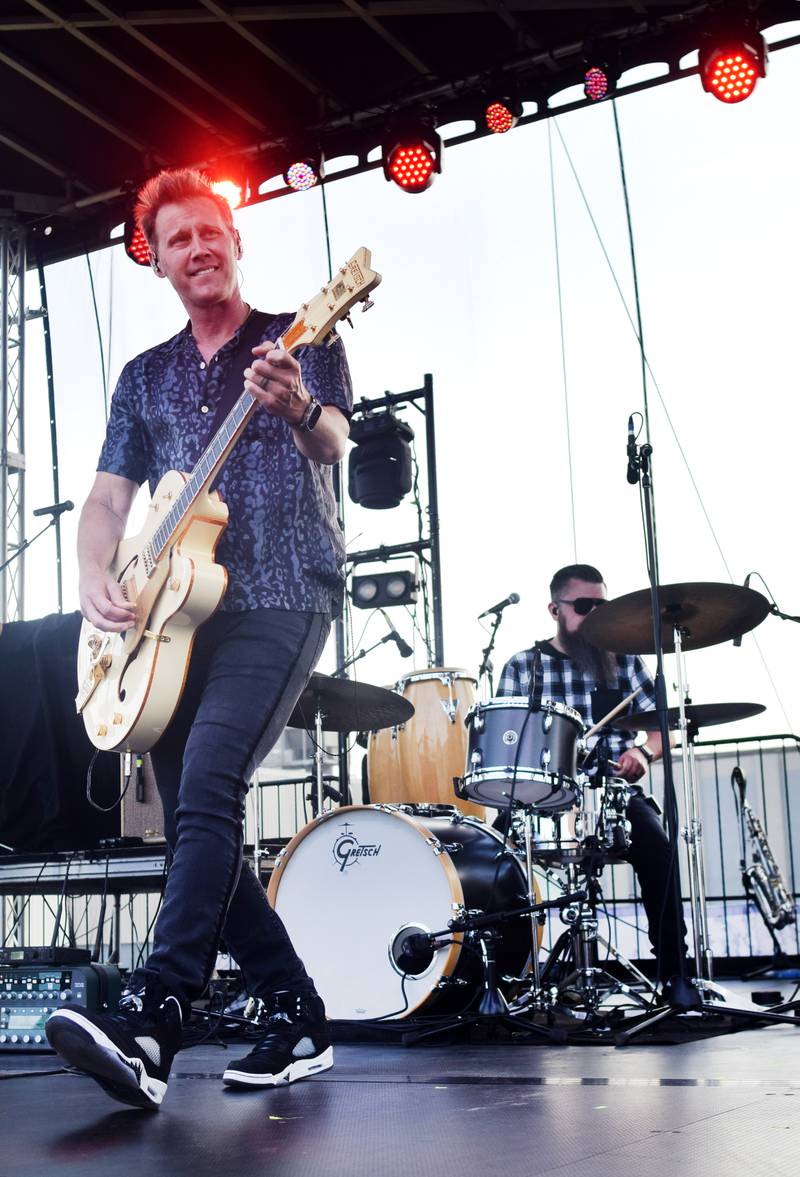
x: 415, y: 763
x: 355, y: 884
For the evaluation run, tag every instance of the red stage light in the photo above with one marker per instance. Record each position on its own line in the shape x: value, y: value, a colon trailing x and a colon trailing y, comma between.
x: 595, y: 83
x: 136, y: 245
x: 501, y: 115
x: 731, y: 69
x: 412, y: 167
x: 230, y: 190
x: 412, y: 153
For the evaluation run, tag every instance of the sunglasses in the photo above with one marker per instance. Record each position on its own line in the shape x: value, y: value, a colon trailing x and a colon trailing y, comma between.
x: 583, y: 605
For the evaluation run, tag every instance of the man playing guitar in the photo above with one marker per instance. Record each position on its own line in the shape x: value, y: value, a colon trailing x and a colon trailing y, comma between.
x: 283, y: 551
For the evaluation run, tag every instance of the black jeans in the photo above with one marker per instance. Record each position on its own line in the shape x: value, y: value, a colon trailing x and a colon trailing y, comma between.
x: 649, y: 855
x: 246, y: 673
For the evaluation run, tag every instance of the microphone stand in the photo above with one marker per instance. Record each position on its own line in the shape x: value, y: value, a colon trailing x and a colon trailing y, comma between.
x: 339, y: 671
x: 26, y: 543
x: 486, y: 667
x: 686, y: 995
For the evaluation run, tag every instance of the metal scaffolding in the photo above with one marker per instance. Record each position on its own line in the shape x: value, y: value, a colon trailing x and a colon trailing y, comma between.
x: 12, y: 417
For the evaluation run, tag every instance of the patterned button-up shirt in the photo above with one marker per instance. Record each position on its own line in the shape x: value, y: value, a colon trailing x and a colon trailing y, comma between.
x: 563, y: 681
x: 283, y: 547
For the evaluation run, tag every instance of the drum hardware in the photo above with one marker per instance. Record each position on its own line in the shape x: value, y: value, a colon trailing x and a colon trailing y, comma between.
x: 572, y: 981
x: 481, y: 929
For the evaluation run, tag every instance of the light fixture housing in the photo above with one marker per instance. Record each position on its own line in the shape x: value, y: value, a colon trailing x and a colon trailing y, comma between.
x: 501, y: 113
x: 412, y: 153
x: 382, y: 590
x: 731, y: 64
x: 379, y: 468
x: 136, y: 245
x: 302, y: 167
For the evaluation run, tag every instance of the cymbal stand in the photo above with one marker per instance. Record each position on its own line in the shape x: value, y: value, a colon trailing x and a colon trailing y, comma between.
x: 693, y: 830
x: 319, y: 756
x: 535, y: 916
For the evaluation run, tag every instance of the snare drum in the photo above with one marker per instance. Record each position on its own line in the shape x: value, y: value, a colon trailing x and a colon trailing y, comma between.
x: 531, y: 755
x: 352, y: 886
x: 417, y: 761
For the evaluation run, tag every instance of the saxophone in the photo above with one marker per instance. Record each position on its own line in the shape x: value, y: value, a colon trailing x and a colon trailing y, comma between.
x: 763, y: 880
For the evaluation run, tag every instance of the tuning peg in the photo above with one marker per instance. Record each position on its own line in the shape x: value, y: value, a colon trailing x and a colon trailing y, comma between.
x: 366, y: 303
x: 332, y: 339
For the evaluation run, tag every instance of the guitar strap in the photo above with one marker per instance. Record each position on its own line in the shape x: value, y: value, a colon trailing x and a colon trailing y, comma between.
x: 252, y: 331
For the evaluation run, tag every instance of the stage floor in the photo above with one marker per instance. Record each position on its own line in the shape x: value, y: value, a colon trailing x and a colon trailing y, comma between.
x: 716, y: 1106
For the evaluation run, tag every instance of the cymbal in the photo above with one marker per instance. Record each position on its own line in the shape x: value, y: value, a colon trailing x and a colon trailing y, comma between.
x: 349, y: 706
x: 698, y: 715
x: 707, y: 613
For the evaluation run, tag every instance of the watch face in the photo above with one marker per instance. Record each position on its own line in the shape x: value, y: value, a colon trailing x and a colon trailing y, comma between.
x: 314, y: 415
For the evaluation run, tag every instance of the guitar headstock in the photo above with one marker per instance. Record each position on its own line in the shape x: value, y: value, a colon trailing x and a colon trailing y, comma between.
x: 317, y: 317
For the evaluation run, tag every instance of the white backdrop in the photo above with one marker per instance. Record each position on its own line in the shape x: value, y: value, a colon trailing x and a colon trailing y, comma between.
x: 470, y: 295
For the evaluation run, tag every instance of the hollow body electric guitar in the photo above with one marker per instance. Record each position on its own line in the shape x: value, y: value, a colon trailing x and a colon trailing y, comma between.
x: 129, y: 684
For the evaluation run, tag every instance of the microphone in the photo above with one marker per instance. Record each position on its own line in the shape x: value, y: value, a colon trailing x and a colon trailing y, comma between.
x: 394, y: 636
x: 56, y: 509
x: 511, y: 599
x: 633, y: 466
x: 737, y: 641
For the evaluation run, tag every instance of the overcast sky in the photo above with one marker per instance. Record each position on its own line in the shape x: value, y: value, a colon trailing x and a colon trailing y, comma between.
x: 470, y: 295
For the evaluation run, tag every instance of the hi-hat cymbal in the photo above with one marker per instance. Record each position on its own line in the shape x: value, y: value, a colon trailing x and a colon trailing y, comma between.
x: 698, y: 715
x: 707, y: 613
x: 348, y: 706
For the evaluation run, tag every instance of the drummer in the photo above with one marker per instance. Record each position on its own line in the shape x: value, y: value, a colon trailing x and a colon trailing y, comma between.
x: 568, y: 669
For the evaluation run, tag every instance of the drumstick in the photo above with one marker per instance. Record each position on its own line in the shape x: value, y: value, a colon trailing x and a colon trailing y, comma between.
x: 615, y: 711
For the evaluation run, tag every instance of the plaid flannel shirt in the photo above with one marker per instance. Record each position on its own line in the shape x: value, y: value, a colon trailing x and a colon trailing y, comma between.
x: 563, y: 681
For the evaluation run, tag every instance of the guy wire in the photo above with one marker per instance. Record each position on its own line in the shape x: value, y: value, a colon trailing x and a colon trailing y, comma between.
x: 563, y: 344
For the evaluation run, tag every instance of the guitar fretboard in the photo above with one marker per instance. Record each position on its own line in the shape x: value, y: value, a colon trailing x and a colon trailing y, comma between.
x: 204, y: 472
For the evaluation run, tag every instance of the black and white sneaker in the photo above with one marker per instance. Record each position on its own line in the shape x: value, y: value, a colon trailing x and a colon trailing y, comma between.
x: 128, y: 1053
x: 295, y: 1044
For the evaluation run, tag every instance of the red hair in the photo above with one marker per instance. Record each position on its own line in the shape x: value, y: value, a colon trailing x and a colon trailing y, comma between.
x: 171, y: 186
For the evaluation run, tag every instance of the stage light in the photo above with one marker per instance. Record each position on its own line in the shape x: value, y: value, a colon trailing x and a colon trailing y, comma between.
x: 381, y: 590
x: 596, y: 83
x: 412, y: 154
x: 502, y: 114
x: 136, y: 245
x: 230, y: 190
x: 302, y: 171
x: 731, y: 66
x: 379, y: 469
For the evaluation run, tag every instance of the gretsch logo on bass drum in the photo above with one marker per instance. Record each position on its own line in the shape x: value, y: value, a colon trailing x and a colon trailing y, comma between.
x: 348, y: 850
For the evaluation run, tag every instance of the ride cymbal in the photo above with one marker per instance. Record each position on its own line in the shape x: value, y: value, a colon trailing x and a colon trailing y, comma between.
x: 698, y: 715
x: 706, y: 612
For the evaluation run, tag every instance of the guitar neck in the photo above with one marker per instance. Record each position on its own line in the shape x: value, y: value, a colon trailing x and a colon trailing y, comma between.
x: 208, y: 466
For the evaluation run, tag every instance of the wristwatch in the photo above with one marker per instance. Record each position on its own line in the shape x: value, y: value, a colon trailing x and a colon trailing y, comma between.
x: 310, y: 416
x: 647, y: 752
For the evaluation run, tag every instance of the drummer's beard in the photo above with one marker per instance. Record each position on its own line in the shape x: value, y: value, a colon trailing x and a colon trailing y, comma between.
x: 599, y: 663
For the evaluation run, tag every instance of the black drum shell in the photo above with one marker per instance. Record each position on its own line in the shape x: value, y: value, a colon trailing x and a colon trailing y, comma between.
x: 473, y: 848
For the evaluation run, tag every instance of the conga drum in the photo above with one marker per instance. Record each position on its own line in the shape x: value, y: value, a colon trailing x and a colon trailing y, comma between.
x: 415, y: 762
